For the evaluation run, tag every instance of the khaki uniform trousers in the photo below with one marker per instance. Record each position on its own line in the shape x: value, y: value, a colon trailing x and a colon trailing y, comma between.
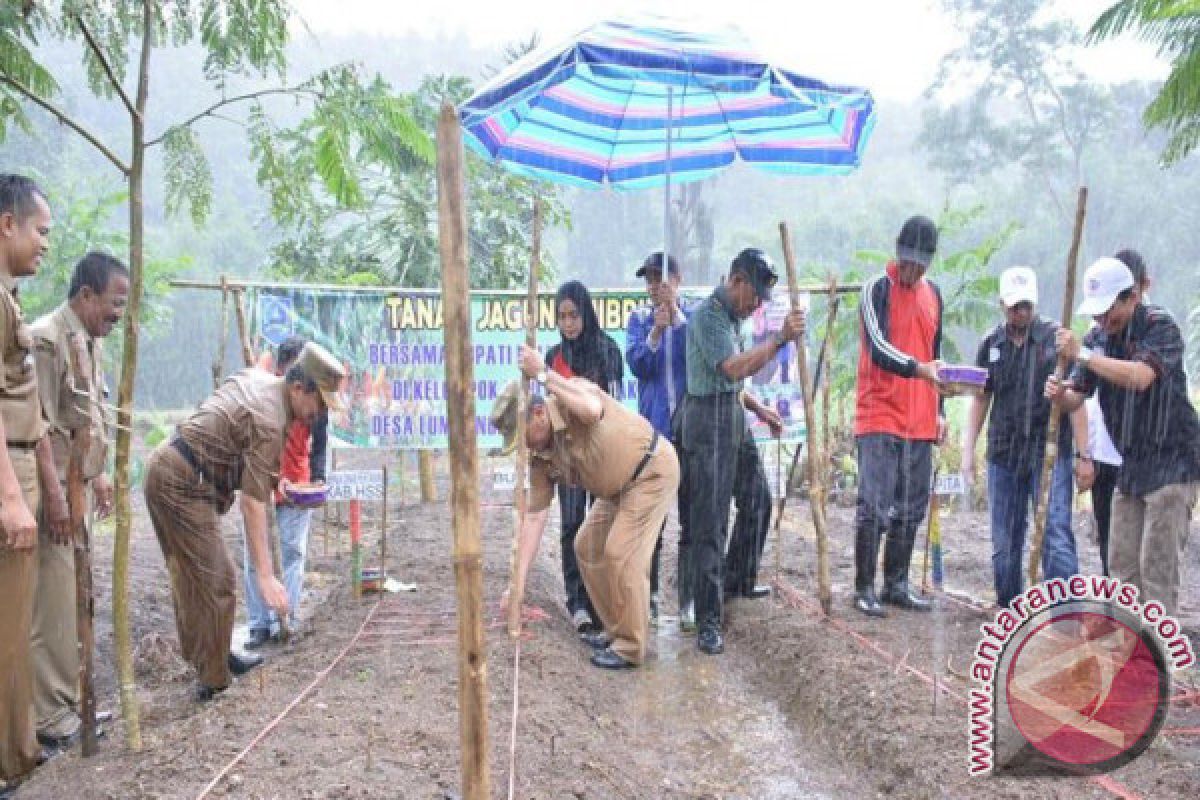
x: 18, y: 582
x: 183, y: 511
x: 1148, y: 539
x: 55, y: 637
x: 615, y: 545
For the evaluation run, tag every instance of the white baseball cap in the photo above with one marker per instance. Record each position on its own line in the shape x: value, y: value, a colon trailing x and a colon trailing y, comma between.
x: 1103, y: 281
x: 1018, y: 284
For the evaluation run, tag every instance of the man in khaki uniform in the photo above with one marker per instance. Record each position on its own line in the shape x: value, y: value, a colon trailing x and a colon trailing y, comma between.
x: 95, y: 302
x: 233, y: 442
x: 583, y: 437
x: 24, y: 238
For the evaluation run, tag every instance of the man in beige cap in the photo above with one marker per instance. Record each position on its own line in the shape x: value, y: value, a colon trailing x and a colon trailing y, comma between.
x: 580, y: 435
x: 233, y: 442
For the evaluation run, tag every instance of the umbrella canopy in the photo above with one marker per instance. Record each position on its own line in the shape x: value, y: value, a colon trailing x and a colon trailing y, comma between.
x: 599, y: 109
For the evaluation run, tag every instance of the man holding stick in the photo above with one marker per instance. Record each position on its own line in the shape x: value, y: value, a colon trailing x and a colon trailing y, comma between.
x: 580, y: 435
x: 1019, y: 354
x: 24, y: 238
x: 721, y: 459
x: 95, y: 304
x: 898, y: 416
x: 233, y: 442
x: 656, y: 351
x: 1133, y: 359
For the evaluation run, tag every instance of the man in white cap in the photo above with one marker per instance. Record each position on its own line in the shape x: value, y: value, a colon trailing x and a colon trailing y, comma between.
x: 1133, y: 359
x: 1019, y: 354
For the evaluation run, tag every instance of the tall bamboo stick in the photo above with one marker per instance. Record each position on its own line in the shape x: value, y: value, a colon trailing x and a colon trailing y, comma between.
x: 243, y: 330
x: 816, y: 488
x: 520, y: 498
x: 425, y: 469
x: 464, y: 458
x: 1039, y: 517
x: 77, y: 505
x: 383, y: 531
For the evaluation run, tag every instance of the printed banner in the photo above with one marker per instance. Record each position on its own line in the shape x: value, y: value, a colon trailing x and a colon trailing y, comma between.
x: 392, y: 346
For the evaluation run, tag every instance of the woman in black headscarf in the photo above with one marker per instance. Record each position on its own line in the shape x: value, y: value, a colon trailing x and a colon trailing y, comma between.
x: 585, y: 351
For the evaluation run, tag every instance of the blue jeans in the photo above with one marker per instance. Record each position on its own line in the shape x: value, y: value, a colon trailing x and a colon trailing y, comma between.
x: 1010, y: 495
x: 293, y: 538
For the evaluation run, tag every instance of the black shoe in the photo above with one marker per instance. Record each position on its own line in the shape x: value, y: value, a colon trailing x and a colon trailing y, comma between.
x: 607, y: 659
x: 710, y: 641
x: 240, y: 665
x: 755, y: 592
x: 202, y: 693
x: 257, y: 637
x: 868, y: 603
x: 902, y: 597
x: 597, y: 640
x: 8, y: 790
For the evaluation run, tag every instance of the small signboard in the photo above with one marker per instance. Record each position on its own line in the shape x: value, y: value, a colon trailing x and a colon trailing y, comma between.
x: 355, y: 484
x: 951, y: 483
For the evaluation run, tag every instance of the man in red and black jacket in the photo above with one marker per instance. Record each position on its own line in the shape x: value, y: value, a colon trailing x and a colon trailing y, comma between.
x: 898, y: 416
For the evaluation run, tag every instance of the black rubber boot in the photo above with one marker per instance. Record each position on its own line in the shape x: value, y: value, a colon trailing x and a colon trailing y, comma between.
x: 896, y: 558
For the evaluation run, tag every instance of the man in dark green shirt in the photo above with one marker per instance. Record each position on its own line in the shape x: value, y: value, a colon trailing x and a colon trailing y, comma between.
x: 722, y: 460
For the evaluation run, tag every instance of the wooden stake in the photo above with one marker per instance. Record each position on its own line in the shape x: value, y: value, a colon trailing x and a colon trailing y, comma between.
x: 464, y: 459
x: 816, y: 491
x: 77, y: 505
x: 243, y: 330
x: 425, y: 468
x: 383, y: 532
x: 218, y: 367
x: 1039, y: 517
x: 275, y: 542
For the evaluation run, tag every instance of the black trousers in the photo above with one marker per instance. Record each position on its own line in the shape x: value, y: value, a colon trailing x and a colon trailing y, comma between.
x: 893, y: 497
x: 723, y: 464
x: 1102, y: 497
x: 573, y: 503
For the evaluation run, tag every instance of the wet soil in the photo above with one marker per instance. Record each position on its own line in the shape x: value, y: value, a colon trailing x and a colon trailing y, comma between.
x: 797, y: 707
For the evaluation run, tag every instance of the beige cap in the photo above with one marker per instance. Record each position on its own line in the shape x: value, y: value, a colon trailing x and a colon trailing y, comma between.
x: 505, y: 415
x: 325, y: 371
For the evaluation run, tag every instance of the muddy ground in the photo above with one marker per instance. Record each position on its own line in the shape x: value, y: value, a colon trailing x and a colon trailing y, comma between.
x: 796, y: 707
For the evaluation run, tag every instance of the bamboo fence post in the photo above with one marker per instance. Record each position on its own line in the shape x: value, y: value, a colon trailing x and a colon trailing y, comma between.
x: 1039, y: 517
x: 218, y: 366
x: 383, y: 531
x: 243, y: 332
x: 816, y: 491
x: 464, y: 459
x: 823, y: 379
x: 77, y: 504
x: 520, y: 496
x: 425, y: 468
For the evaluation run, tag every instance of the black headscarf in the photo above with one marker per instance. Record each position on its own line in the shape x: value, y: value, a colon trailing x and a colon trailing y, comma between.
x: 593, y: 354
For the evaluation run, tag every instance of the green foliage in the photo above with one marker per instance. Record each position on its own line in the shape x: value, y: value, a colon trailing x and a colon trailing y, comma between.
x: 374, y: 219
x: 1173, y: 26
x: 187, y: 174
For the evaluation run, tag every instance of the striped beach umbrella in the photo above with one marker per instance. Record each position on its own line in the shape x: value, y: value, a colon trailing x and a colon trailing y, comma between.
x: 639, y: 104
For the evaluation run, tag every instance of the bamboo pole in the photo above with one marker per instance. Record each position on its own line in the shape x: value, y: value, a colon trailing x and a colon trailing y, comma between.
x: 425, y: 469
x: 331, y: 287
x: 464, y: 459
x: 77, y: 504
x: 243, y: 330
x: 218, y: 366
x: 520, y: 497
x: 1039, y: 517
x: 816, y: 489
x: 383, y: 531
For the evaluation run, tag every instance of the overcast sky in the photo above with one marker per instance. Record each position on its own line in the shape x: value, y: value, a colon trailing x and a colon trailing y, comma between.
x: 889, y: 46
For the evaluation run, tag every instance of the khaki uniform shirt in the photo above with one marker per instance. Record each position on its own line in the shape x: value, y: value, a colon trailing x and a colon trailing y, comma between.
x: 237, y: 434
x: 19, y: 404
x: 600, y: 457
x: 64, y: 409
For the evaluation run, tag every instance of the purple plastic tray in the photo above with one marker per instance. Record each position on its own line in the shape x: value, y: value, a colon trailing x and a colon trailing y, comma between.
x: 303, y: 495
x: 971, y: 376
